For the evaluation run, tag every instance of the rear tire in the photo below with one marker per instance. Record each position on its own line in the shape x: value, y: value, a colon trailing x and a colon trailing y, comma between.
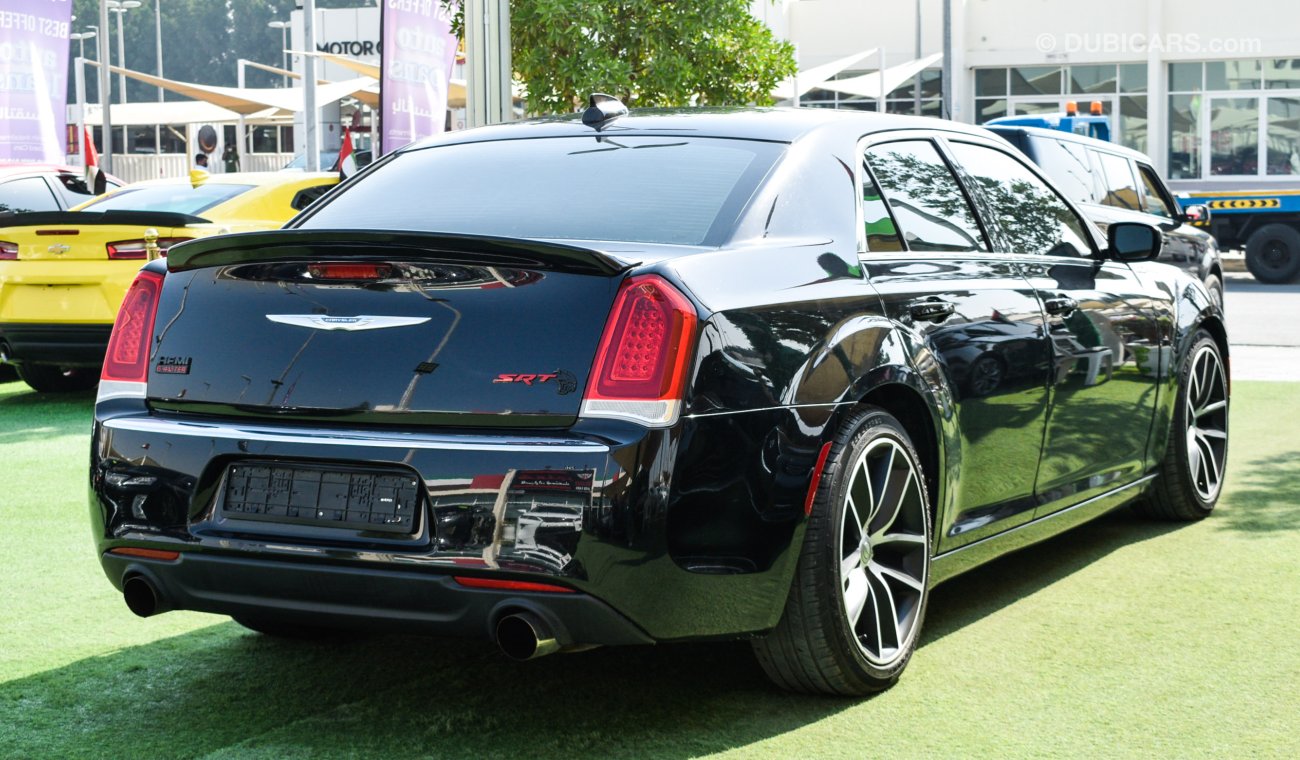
x: 48, y: 378
x: 1190, y: 476
x: 1273, y: 253
x: 856, y: 606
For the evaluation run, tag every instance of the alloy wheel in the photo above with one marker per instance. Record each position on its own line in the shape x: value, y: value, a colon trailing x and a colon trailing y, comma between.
x: 1207, y: 422
x: 883, y: 551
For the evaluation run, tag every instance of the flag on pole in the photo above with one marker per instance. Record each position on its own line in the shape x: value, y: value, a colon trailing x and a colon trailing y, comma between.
x: 95, y: 179
x: 347, y: 164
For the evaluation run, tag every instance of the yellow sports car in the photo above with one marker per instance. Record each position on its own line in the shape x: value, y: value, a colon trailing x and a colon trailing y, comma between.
x: 63, y: 274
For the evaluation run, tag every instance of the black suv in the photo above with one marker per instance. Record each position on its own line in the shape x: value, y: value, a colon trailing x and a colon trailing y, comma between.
x: 1112, y: 183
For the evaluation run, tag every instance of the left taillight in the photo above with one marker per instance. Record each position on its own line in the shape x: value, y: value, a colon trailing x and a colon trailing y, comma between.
x: 135, y: 249
x: 644, y: 355
x: 8, y: 250
x: 127, y: 358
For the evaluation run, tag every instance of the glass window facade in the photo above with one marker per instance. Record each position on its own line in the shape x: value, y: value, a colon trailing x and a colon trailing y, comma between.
x: 1026, y: 90
x: 1215, y: 110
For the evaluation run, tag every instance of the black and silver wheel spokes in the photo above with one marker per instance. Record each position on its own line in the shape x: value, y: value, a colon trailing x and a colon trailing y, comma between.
x: 1207, y: 422
x: 883, y: 551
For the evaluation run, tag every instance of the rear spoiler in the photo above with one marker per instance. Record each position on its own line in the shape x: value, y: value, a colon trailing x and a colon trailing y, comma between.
x: 277, y: 245
x: 82, y: 218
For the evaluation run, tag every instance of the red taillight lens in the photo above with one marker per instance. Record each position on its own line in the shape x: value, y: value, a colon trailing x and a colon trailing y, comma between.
x: 349, y: 271
x: 134, y: 249
x: 641, y: 365
x: 8, y: 250
x: 127, y: 358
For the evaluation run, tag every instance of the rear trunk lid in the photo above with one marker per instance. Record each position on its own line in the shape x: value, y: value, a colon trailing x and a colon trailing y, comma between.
x: 381, y: 328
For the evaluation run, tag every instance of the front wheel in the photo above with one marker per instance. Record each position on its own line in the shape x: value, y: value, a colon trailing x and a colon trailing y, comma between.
x: 1190, y: 477
x: 854, y: 612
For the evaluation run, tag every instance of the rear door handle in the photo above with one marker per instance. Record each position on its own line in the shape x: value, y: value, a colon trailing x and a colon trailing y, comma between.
x: 933, y: 310
x: 1060, y: 306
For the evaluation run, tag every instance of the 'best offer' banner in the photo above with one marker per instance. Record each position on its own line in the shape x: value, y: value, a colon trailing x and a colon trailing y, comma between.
x: 415, y: 68
x: 34, y: 79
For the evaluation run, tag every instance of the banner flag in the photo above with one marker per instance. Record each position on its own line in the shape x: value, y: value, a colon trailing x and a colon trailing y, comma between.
x: 34, y: 79
x: 418, y: 51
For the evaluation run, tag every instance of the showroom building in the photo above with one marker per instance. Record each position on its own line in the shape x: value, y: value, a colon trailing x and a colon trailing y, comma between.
x: 1210, y: 91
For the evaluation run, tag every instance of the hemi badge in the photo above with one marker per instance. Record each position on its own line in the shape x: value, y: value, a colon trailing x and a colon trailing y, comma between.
x: 352, y: 324
x: 173, y: 365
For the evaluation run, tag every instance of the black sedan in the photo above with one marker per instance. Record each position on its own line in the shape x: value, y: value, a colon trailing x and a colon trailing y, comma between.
x: 637, y: 378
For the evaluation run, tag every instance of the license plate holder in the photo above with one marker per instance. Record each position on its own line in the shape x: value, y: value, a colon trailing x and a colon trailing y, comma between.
x: 383, y: 500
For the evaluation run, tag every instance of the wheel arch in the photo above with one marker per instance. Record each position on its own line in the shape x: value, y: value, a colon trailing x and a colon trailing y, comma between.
x: 910, y: 407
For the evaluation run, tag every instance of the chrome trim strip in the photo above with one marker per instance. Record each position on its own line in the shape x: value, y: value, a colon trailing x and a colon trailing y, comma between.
x: 350, y: 324
x: 1044, y: 519
x: 109, y: 389
x: 354, y: 437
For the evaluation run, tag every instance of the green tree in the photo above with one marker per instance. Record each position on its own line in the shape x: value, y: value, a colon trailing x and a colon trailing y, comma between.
x: 645, y: 52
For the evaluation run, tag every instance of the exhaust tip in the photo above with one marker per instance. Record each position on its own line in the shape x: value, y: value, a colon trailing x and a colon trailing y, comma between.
x: 140, y: 596
x: 525, y: 636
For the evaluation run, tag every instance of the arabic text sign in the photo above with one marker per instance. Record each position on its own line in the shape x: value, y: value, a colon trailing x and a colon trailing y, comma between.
x: 34, y: 79
x: 418, y: 52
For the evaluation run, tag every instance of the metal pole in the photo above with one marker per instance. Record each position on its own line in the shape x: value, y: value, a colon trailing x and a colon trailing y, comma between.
x: 916, y: 84
x: 487, y: 43
x: 795, y: 80
x: 284, y: 54
x: 947, y: 59
x: 241, y: 131
x: 311, y: 117
x: 157, y: 24
x: 880, y: 101
x: 79, y: 79
x: 107, y: 157
x: 121, y: 56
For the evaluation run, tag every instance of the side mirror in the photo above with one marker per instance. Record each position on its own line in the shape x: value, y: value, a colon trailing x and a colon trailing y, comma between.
x: 1196, y: 213
x: 1132, y: 241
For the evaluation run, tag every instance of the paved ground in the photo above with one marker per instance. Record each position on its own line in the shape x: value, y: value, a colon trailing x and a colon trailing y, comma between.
x: 1263, y: 328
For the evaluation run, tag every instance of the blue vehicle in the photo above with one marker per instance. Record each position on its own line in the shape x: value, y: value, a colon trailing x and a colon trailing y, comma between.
x: 1095, y: 125
x: 1265, y: 222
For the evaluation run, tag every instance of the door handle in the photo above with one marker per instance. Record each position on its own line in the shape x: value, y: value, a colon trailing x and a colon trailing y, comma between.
x: 933, y: 310
x: 1060, y: 306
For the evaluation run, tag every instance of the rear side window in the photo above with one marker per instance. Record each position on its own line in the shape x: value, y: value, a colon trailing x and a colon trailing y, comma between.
x: 669, y: 189
x: 1153, y: 198
x: 179, y: 198
x: 309, y: 195
x: 926, y: 199
x: 882, y: 235
x: 27, y: 194
x: 1120, y: 189
x: 1031, y: 217
x: 1067, y: 165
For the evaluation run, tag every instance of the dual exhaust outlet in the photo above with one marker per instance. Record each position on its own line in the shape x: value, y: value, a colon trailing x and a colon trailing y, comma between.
x: 520, y: 635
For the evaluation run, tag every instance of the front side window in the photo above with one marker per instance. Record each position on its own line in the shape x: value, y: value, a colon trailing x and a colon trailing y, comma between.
x: 1119, y: 188
x: 926, y: 199
x: 1067, y: 164
x: 1032, y: 217
x: 27, y: 194
x: 1153, y: 198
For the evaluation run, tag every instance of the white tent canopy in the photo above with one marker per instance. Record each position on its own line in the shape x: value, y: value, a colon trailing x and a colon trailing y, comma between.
x: 251, y: 100
x: 170, y: 112
x: 816, y: 76
x: 874, y: 85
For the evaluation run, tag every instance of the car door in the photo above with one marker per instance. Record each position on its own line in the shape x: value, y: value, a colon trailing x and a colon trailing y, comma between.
x: 972, y: 313
x: 1101, y: 323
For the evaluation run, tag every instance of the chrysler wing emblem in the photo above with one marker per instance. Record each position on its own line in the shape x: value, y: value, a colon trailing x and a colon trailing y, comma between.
x: 359, y: 322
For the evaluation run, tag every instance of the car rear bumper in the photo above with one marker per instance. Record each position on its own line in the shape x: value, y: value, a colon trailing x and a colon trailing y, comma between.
x: 637, y: 521
x: 71, y: 345
x: 343, y: 597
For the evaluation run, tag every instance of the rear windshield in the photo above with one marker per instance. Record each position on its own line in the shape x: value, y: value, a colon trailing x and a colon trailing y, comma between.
x: 181, y: 198
x: 685, y: 191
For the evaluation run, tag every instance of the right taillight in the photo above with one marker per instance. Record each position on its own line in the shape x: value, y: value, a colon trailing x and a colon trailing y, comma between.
x: 127, y: 358
x: 8, y: 250
x: 644, y: 355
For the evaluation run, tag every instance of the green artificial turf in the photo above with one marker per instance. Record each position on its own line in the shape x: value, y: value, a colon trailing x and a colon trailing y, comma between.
x: 1123, y: 638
